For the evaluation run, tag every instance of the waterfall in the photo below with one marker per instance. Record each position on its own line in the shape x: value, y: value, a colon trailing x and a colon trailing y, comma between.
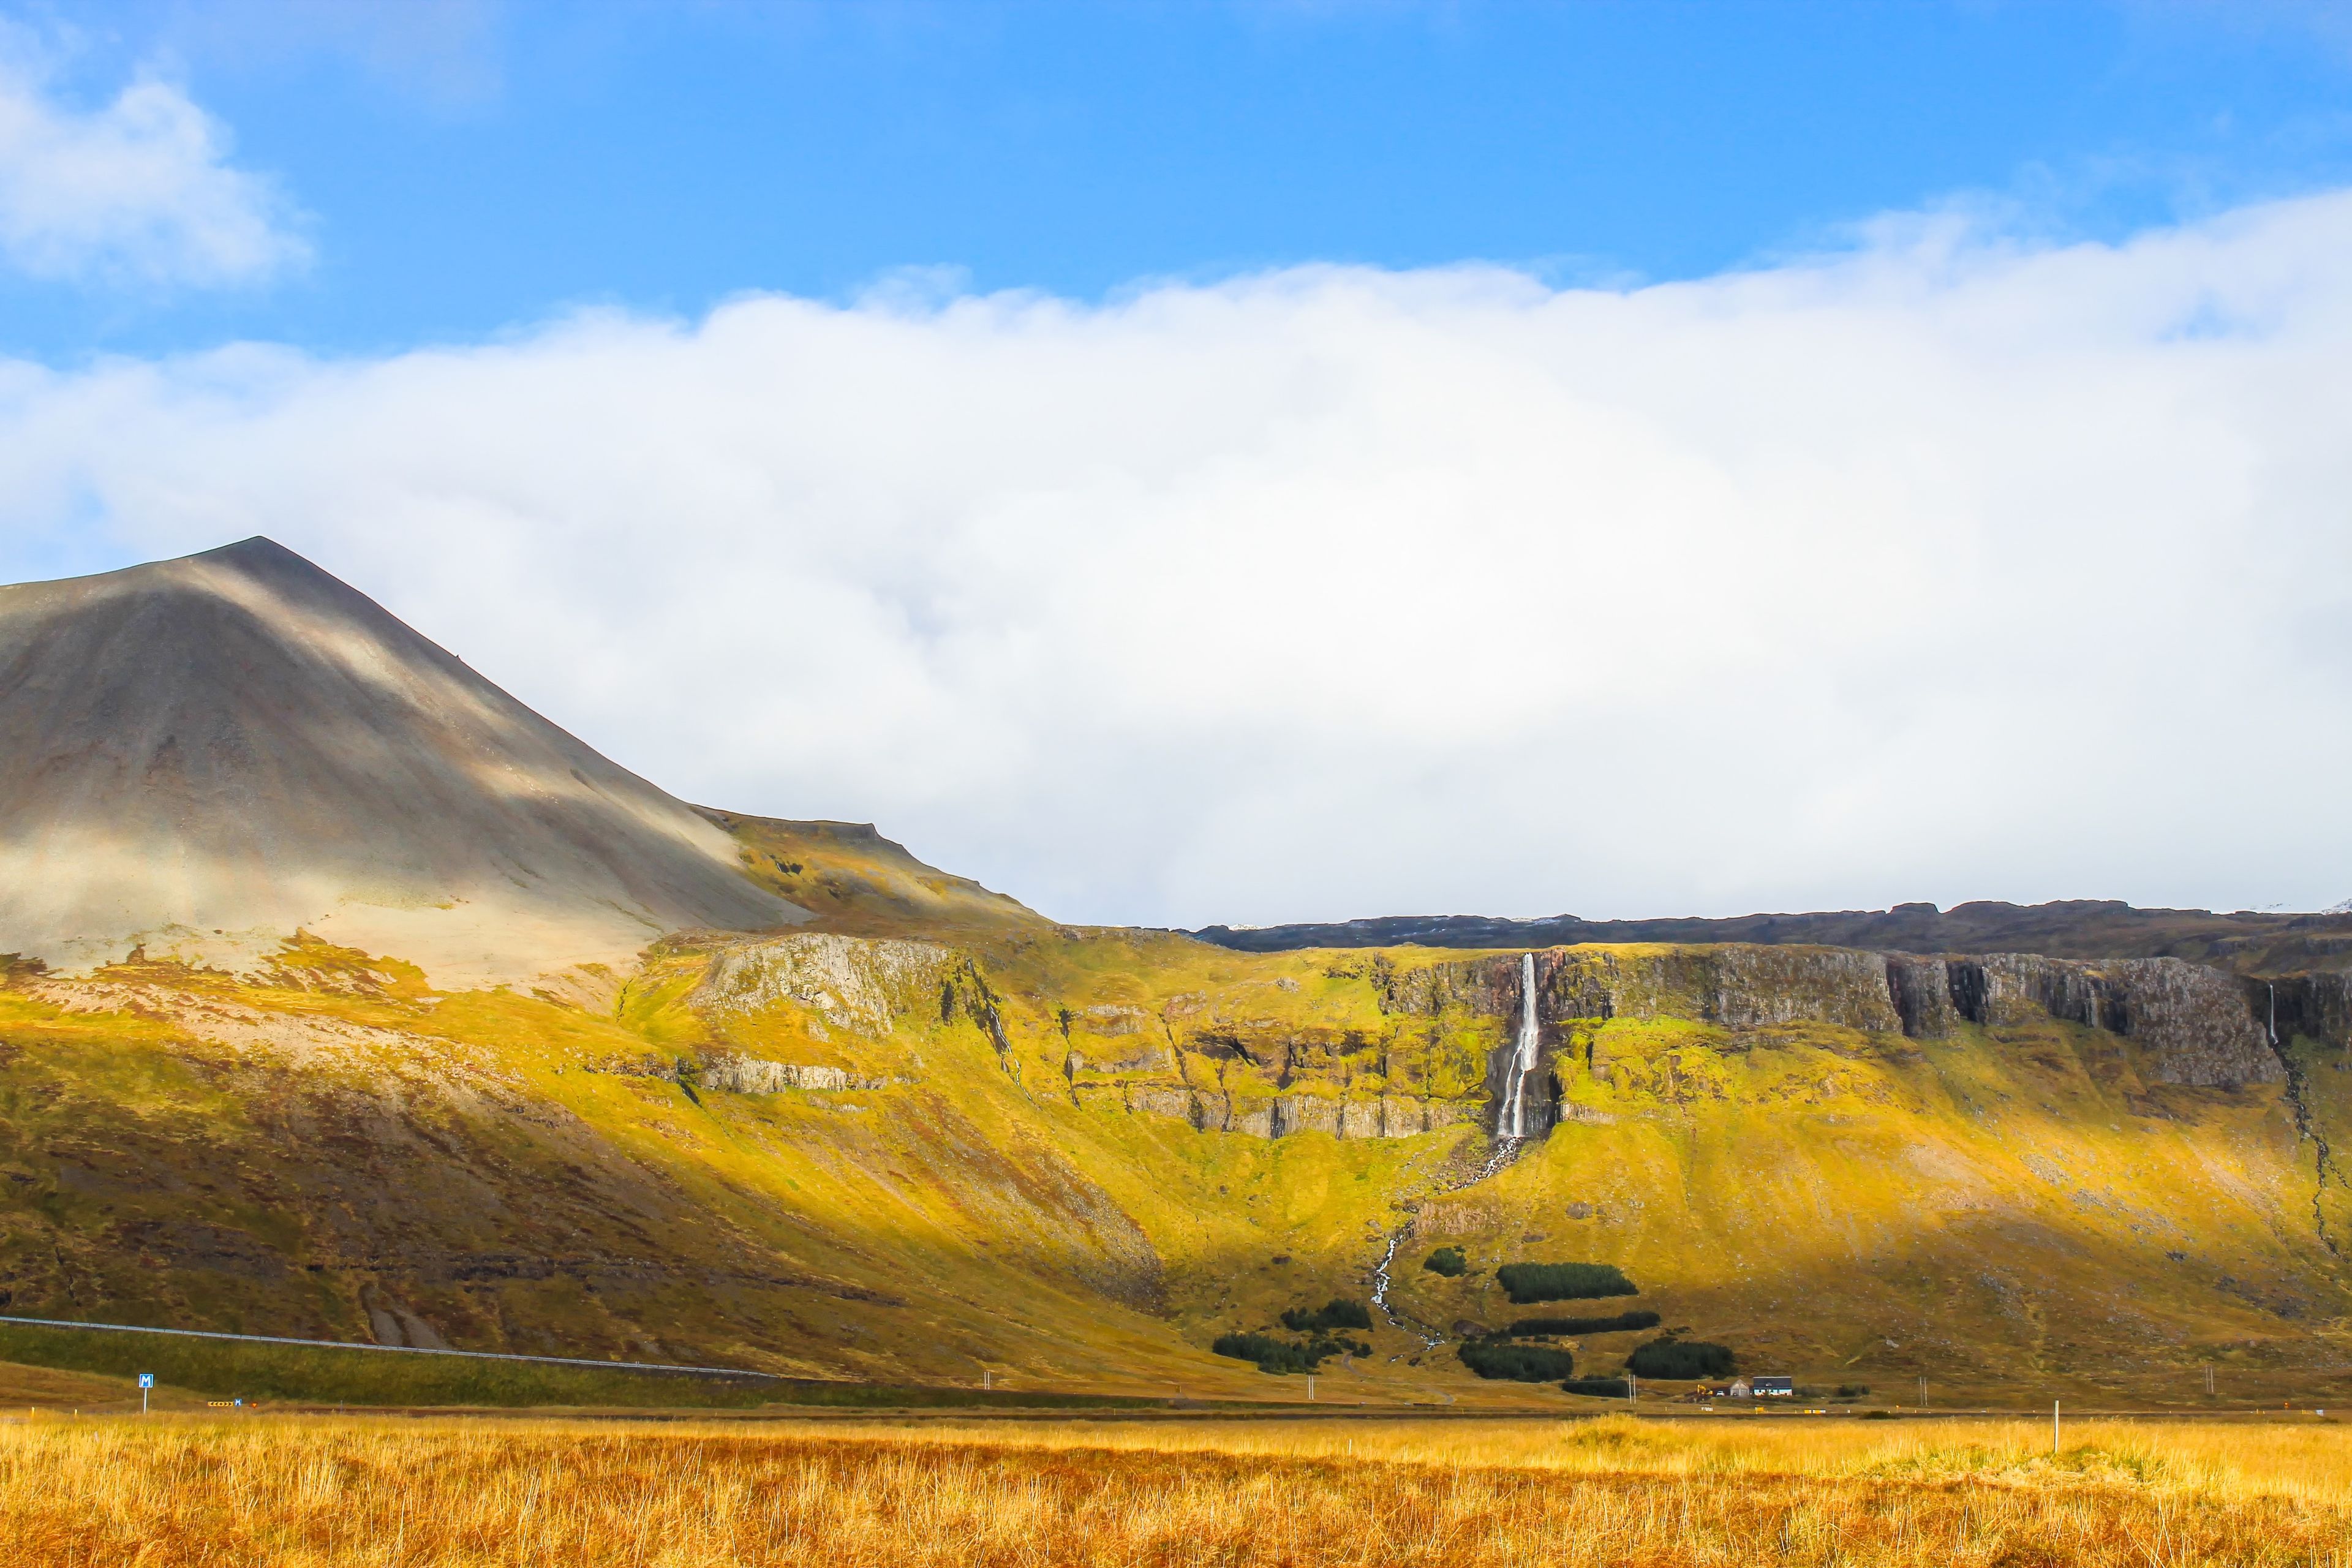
x: 1382, y: 1282
x: 1510, y: 1141
x: 1511, y: 1121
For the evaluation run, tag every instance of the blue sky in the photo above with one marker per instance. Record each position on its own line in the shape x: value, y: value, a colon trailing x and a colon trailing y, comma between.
x: 457, y: 168
x: 1268, y: 461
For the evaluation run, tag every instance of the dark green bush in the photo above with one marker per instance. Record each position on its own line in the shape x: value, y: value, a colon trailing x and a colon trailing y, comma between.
x: 1571, y: 1326
x: 1598, y: 1387
x: 1337, y: 1313
x: 1853, y: 1390
x: 1448, y: 1261
x: 1270, y: 1353
x: 1679, y: 1358
x: 1520, y: 1363
x: 1879, y: 1415
x: 1528, y: 1282
x: 1281, y: 1355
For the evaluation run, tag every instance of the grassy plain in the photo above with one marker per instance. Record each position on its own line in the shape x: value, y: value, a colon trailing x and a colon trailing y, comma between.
x: 298, y: 1492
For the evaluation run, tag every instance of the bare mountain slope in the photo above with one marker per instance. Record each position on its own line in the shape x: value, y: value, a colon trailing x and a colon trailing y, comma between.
x: 853, y: 880
x: 204, y: 755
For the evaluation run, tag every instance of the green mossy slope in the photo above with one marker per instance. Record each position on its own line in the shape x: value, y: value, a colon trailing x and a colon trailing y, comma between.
x: 1020, y: 1169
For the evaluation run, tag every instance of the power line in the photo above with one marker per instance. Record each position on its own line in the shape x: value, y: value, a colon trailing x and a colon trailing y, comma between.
x: 403, y: 1349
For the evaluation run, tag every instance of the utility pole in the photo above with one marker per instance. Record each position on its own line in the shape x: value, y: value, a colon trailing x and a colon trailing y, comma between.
x: 1310, y: 1388
x: 1633, y: 1389
x: 2208, y: 1379
x: 1923, y: 1391
x: 2054, y: 1428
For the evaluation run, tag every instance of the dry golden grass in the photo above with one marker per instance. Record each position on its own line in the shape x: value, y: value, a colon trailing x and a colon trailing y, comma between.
x: 316, y: 1490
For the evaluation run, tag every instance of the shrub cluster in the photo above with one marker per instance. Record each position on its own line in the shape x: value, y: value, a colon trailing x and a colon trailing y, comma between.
x: 1448, y: 1261
x: 1520, y: 1363
x: 1598, y: 1387
x: 1337, y: 1313
x: 1679, y: 1358
x: 1270, y: 1353
x: 1853, y: 1390
x: 1284, y: 1355
x: 1528, y: 1282
x: 1573, y: 1326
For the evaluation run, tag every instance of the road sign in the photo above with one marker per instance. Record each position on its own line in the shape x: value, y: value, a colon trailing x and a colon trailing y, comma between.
x: 146, y: 1380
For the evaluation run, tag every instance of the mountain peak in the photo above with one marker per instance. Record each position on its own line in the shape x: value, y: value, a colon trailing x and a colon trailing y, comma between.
x: 211, y: 753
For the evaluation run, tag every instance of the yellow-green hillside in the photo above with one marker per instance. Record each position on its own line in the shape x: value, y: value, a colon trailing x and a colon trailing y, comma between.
x: 909, y: 1152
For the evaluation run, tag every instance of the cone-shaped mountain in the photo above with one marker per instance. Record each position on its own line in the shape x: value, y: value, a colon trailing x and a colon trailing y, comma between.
x: 205, y: 755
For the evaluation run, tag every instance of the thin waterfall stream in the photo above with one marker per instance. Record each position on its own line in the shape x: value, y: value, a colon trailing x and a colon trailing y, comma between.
x: 1381, y: 1283
x: 1510, y: 1138
x: 1511, y: 1121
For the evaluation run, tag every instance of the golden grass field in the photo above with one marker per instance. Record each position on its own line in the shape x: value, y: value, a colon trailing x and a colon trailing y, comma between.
x: 296, y: 1491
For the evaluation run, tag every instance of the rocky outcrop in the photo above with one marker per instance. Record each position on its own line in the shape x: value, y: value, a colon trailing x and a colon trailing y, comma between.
x: 1139, y: 1057
x: 735, y: 1073
x: 2193, y: 1021
x: 858, y: 984
x: 1738, y: 987
x: 751, y: 1075
x: 1388, y: 1116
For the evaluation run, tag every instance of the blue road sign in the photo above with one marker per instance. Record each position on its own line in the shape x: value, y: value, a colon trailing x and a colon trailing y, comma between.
x: 146, y: 1380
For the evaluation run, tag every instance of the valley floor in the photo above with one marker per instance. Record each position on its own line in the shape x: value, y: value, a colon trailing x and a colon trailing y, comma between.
x: 296, y: 1490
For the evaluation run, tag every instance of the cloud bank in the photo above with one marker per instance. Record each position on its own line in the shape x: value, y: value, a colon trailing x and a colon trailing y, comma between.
x: 1946, y: 567
x: 139, y: 191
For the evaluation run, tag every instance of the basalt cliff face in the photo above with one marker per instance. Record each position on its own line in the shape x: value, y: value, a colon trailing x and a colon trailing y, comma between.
x: 2195, y: 1024
x: 278, y: 1055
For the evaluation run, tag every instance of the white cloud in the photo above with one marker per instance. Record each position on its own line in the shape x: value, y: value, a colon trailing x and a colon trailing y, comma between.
x: 139, y: 191
x: 1951, y: 567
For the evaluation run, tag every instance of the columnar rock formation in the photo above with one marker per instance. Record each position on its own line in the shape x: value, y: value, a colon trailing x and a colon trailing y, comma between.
x: 2196, y: 1022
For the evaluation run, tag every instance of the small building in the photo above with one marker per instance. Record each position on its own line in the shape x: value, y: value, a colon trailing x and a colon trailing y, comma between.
x: 1738, y: 1389
x: 1773, y: 1387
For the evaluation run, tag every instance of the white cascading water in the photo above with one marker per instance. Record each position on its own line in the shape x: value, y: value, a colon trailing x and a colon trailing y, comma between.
x: 1510, y: 1137
x: 1512, y: 1123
